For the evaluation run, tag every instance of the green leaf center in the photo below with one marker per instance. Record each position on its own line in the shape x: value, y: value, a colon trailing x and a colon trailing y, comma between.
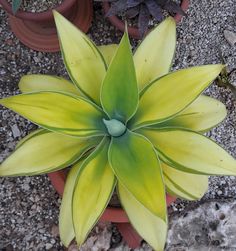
x: 114, y: 127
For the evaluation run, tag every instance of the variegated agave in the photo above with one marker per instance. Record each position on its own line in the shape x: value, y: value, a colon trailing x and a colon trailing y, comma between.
x: 125, y: 123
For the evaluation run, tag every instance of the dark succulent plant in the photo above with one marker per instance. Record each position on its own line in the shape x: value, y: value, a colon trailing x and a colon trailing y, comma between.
x: 224, y: 79
x: 144, y: 9
x: 16, y: 5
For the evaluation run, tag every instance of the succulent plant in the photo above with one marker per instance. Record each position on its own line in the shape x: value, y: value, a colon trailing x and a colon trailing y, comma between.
x: 124, y: 123
x: 16, y: 5
x: 144, y: 9
x: 223, y: 80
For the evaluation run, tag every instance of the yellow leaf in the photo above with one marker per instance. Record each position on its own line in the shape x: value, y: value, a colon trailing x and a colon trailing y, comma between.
x: 191, y: 152
x: 40, y: 82
x: 153, y: 57
x: 202, y: 115
x: 184, y: 185
x: 60, y: 112
x: 108, y: 51
x: 44, y: 152
x: 152, y: 228
x: 169, y: 95
x: 93, y: 189
x: 67, y: 233
x: 30, y: 135
x: 82, y: 59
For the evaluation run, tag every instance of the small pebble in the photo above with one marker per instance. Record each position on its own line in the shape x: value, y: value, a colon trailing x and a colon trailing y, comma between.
x: 230, y: 37
x: 15, y: 131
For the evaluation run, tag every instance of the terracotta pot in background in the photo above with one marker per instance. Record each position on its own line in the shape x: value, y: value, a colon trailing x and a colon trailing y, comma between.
x: 38, y: 31
x: 111, y: 214
x: 133, y: 31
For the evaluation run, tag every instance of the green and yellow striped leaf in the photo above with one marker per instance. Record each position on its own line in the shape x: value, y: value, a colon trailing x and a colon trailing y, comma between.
x: 191, y: 152
x: 93, y: 189
x: 82, y: 59
x: 44, y: 152
x: 202, y: 115
x: 66, y: 228
x: 40, y: 82
x: 137, y: 167
x: 152, y: 228
x: 169, y: 95
x: 108, y: 52
x: 184, y: 185
x: 119, y: 94
x: 60, y: 112
x: 153, y: 57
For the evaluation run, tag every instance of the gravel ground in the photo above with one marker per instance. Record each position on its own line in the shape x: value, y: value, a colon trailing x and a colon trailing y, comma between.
x: 29, y: 206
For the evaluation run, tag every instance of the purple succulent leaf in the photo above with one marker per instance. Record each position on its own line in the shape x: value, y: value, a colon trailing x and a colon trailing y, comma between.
x: 117, y: 7
x: 173, y: 8
x: 143, y: 20
x: 132, y: 12
x: 133, y: 3
x: 161, y: 3
x: 154, y: 9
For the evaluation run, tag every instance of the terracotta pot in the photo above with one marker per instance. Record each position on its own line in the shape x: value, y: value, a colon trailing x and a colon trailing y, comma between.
x: 111, y: 214
x: 38, y: 31
x: 133, y: 31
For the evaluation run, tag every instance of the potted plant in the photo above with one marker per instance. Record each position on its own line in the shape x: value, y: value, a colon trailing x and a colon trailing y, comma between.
x: 125, y: 124
x: 143, y: 10
x: 112, y: 213
x: 38, y: 31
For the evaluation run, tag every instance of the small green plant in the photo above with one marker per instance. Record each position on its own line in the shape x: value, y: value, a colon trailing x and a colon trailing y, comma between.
x: 16, y: 5
x: 223, y: 80
x: 124, y: 123
x: 144, y: 9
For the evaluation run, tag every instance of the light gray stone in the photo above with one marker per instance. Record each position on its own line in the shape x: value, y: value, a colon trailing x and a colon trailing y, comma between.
x: 230, y: 36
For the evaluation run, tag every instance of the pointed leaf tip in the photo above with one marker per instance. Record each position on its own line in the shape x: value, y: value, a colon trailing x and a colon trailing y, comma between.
x: 202, y: 115
x: 126, y: 29
x: 56, y: 14
x: 188, y: 84
x: 81, y: 57
x: 191, y: 152
x: 153, y: 63
x: 120, y: 84
x: 42, y: 82
x: 152, y: 228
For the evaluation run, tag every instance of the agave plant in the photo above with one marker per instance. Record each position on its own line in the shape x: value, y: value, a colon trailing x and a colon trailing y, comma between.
x: 124, y: 123
x: 144, y: 9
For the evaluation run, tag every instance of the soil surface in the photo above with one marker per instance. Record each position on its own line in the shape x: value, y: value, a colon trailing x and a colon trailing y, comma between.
x: 29, y: 206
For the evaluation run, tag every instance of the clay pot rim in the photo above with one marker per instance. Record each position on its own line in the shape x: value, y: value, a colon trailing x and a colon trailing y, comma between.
x: 133, y: 31
x: 111, y: 214
x: 38, y: 16
x: 42, y: 35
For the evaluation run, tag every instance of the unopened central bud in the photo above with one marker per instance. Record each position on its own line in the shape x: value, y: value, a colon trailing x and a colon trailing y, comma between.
x: 114, y: 127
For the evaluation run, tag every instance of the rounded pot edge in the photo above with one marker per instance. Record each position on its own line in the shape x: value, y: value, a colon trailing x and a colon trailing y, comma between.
x: 41, y: 35
x: 112, y: 214
x: 40, y: 16
x: 133, y: 31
